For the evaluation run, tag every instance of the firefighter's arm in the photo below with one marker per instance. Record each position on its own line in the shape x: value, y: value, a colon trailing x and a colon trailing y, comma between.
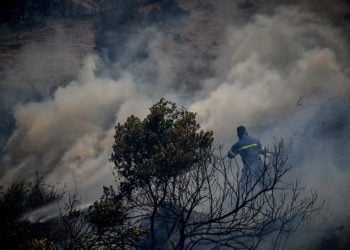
x: 232, y: 152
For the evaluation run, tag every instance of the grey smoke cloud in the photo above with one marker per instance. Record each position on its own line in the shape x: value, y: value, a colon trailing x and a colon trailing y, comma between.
x: 267, y: 65
x: 277, y: 75
x: 68, y: 137
x: 274, y: 74
x: 33, y: 64
x: 65, y: 134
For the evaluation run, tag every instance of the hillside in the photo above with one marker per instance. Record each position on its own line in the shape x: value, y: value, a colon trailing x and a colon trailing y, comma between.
x: 59, y: 40
x: 35, y: 60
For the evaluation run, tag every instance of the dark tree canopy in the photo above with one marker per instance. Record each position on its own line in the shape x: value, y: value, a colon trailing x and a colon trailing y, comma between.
x: 16, y: 200
x: 184, y: 193
x: 174, y: 190
x: 163, y: 145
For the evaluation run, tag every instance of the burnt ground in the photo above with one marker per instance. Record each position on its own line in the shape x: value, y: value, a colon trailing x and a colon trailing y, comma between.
x: 35, y: 61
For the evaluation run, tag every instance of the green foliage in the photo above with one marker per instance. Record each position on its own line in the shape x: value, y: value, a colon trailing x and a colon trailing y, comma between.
x: 41, y: 244
x: 174, y: 192
x: 111, y: 225
x: 15, y: 201
x: 167, y: 143
x: 12, y: 205
x: 108, y: 211
x: 12, y: 202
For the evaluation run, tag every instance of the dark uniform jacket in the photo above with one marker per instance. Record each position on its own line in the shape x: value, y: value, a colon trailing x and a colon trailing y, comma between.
x: 249, y: 149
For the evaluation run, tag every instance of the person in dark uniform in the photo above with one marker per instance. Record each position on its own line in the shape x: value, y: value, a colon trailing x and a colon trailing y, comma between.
x: 250, y: 149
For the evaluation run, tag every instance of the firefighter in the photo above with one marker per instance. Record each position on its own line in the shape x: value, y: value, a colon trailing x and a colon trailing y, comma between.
x: 249, y: 149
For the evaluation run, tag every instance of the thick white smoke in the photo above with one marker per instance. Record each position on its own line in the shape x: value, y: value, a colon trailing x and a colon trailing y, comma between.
x: 268, y: 65
x: 274, y: 75
x: 287, y: 75
x: 68, y: 138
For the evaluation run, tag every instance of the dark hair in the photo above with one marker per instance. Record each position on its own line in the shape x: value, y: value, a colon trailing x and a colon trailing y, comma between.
x: 241, y: 130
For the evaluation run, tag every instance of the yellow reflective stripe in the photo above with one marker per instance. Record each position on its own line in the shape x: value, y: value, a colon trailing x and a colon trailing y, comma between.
x: 248, y: 146
x: 263, y: 148
x: 232, y: 153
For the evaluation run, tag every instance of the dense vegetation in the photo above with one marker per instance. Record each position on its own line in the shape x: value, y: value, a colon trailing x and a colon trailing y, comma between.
x: 19, y: 199
x: 173, y: 190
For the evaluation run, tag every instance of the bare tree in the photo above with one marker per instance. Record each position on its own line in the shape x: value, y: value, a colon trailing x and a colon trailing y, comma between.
x: 72, y: 230
x: 185, y: 193
x: 208, y: 205
x: 175, y: 190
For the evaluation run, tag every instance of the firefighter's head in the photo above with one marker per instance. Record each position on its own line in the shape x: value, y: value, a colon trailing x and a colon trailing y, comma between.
x: 241, y: 130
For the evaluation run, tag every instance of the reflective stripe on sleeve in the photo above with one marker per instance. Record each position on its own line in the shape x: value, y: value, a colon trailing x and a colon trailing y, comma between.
x: 248, y: 146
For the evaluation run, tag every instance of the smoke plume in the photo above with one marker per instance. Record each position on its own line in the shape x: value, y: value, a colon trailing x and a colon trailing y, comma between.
x: 281, y: 73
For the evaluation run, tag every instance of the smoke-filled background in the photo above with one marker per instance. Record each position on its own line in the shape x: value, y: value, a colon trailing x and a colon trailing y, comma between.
x: 281, y: 68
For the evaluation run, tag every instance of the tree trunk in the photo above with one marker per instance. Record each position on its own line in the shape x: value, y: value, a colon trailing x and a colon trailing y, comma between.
x: 181, y: 244
x: 153, y: 236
